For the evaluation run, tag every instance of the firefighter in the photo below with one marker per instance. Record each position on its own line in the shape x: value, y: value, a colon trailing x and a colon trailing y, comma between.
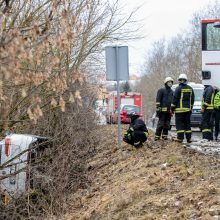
x: 137, y: 132
x: 207, y: 112
x: 163, y: 104
x: 217, y: 113
x: 182, y: 104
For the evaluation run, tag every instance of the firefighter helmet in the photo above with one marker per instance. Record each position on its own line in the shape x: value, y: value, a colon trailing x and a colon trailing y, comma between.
x: 182, y: 76
x: 133, y: 115
x: 168, y: 79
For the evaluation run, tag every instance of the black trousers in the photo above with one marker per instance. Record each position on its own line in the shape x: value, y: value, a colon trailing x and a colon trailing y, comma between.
x: 163, y: 124
x: 207, y: 124
x: 217, y: 120
x: 183, y: 125
x: 135, y: 138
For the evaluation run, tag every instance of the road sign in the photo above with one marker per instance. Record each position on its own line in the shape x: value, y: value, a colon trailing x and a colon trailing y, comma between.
x: 117, y: 69
x: 117, y: 63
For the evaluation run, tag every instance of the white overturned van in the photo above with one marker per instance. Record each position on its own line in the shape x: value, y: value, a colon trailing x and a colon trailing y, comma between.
x: 16, y: 153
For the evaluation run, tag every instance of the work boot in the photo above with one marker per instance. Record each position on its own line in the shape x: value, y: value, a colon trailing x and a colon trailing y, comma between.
x: 139, y: 145
x: 178, y: 140
x: 164, y: 137
x: 157, y: 138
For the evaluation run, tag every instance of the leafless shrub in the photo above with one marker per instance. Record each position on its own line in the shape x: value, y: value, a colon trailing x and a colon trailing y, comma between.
x: 47, y: 49
x: 61, y: 168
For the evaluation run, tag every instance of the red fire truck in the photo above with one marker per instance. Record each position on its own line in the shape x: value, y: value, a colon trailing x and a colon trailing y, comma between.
x: 130, y: 102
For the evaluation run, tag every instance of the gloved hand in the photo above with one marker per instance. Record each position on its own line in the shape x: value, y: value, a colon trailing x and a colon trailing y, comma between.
x: 171, y: 113
x: 158, y: 111
x: 125, y: 138
x: 172, y: 110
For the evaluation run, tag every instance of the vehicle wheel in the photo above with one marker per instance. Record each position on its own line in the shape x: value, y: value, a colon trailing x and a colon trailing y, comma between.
x: 108, y: 120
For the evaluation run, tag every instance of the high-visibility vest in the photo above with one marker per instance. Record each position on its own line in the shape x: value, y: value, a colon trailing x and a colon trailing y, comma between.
x: 217, y: 100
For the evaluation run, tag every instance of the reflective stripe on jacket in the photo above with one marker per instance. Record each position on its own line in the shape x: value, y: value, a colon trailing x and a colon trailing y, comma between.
x: 183, y: 98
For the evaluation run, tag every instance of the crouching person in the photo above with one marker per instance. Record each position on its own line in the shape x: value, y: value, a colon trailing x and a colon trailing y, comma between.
x: 137, y: 132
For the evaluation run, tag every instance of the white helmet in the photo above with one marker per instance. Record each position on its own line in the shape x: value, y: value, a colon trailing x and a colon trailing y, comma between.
x: 168, y: 79
x: 182, y: 76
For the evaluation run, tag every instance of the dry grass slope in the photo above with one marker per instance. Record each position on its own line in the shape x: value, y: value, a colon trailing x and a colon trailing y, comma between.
x: 162, y: 180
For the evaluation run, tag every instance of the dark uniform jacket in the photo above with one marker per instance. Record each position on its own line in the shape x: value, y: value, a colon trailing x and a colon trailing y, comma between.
x: 164, y: 98
x: 138, y: 125
x: 208, y: 98
x: 136, y: 130
x: 183, y: 98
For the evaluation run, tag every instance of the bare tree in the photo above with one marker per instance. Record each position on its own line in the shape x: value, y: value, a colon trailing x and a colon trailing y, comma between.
x: 180, y: 54
x: 48, y: 54
x: 46, y: 47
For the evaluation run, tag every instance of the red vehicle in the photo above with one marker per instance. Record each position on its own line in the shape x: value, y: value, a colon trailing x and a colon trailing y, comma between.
x: 124, y: 110
x: 130, y: 102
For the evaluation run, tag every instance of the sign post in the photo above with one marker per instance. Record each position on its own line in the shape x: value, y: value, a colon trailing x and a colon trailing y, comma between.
x: 117, y: 69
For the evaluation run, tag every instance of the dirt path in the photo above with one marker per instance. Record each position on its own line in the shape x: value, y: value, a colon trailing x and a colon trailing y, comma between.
x: 162, y: 180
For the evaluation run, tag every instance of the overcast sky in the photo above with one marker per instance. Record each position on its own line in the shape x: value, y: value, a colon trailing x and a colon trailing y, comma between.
x: 160, y: 18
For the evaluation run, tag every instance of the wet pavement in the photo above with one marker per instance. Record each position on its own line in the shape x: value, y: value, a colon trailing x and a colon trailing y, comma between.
x: 211, y: 148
